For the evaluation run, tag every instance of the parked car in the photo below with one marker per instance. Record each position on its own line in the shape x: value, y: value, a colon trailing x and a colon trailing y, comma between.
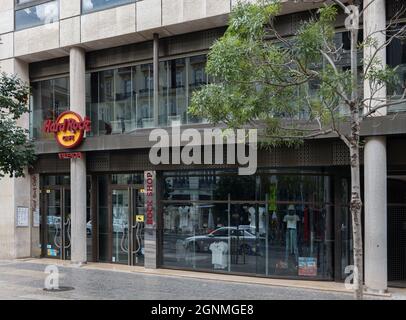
x: 244, y: 240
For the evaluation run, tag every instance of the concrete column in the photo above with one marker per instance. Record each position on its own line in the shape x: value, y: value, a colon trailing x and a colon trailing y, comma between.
x: 376, y: 271
x: 77, y: 69
x: 375, y: 167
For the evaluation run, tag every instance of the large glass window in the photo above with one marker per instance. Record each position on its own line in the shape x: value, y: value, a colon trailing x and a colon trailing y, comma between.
x: 272, y: 224
x: 122, y: 100
x: 40, y: 14
x: 95, y: 5
x: 143, y: 99
x: 49, y: 99
x: 396, y: 52
x: 172, y: 78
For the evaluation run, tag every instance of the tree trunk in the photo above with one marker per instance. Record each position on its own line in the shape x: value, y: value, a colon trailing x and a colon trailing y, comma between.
x: 356, y: 209
x: 356, y: 202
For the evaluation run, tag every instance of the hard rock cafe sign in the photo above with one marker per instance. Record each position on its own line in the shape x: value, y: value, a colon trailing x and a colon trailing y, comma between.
x: 69, y: 130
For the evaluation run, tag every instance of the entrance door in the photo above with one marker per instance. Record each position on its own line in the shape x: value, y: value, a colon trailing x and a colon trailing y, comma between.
x: 57, y: 223
x: 127, y: 241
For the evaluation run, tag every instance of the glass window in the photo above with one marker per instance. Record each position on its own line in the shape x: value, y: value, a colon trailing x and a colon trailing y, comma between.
x: 174, y: 92
x: 209, y: 185
x: 94, y: 5
x: 143, y: 86
x: 103, y: 222
x: 289, y: 235
x: 124, y: 117
x: 396, y: 53
x: 121, y: 100
x: 126, y: 179
x: 44, y: 13
x: 48, y: 100
x: 197, y: 77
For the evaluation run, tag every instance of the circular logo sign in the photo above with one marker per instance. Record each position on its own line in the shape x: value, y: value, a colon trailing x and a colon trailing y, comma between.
x: 69, y: 129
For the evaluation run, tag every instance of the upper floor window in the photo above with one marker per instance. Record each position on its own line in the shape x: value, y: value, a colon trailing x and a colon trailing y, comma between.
x: 28, y: 15
x: 95, y: 5
x: 396, y: 58
x: 49, y: 98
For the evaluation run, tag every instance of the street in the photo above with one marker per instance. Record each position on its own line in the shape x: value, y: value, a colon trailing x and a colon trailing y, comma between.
x: 25, y: 281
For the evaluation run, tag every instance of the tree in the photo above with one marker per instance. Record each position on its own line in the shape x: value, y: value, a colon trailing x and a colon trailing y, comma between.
x: 296, y: 86
x: 16, y: 151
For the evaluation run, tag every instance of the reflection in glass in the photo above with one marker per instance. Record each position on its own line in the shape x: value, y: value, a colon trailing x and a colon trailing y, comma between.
x: 121, y: 210
x: 173, y: 103
x: 103, y: 219
x: 106, y: 102
x: 49, y: 99
x: 197, y: 78
x: 397, y: 59
x: 121, y: 100
x: 287, y: 231
x: 143, y: 86
x: 93, y: 5
x: 37, y: 15
x: 53, y: 236
x: 67, y: 225
x: 127, y: 179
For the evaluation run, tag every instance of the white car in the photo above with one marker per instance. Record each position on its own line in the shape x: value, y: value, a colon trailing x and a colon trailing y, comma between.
x: 246, y: 240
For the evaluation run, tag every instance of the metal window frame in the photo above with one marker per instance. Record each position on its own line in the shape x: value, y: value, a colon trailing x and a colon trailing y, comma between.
x: 33, y: 3
x: 29, y: 4
x: 82, y: 13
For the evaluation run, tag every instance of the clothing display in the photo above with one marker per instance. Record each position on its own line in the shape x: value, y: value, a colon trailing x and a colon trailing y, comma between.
x: 184, y: 217
x: 219, y: 254
x: 291, y: 244
x: 291, y: 220
x: 251, y: 211
x: 194, y: 221
x: 261, y: 219
x: 168, y: 220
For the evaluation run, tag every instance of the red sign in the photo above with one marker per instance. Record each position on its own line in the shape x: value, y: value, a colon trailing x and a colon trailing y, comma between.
x: 69, y: 129
x: 307, y: 266
x: 149, y: 197
x: 70, y: 155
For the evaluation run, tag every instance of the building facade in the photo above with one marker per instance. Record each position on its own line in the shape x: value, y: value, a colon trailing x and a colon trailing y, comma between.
x: 131, y: 66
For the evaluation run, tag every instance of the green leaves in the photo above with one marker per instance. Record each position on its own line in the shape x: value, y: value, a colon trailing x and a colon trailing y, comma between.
x: 16, y: 151
x: 287, y: 84
x: 13, y: 97
x: 247, y: 20
x: 313, y: 36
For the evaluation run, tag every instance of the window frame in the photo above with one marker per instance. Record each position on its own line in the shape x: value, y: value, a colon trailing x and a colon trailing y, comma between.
x: 31, y: 4
x: 82, y: 12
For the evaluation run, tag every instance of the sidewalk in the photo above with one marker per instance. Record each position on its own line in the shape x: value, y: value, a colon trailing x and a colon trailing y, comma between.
x: 328, y: 286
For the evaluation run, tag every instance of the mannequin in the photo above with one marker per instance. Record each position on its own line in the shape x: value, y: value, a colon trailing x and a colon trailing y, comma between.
x: 262, y: 223
x: 261, y: 219
x: 251, y: 212
x: 291, y: 220
x: 184, y: 217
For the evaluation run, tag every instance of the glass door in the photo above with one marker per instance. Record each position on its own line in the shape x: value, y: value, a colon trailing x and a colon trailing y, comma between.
x: 137, y: 222
x: 120, y: 236
x: 57, y: 231
x: 127, y: 244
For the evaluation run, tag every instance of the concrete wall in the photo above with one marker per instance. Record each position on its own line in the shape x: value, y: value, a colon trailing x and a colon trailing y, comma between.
x: 15, y: 192
x: 120, y: 25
